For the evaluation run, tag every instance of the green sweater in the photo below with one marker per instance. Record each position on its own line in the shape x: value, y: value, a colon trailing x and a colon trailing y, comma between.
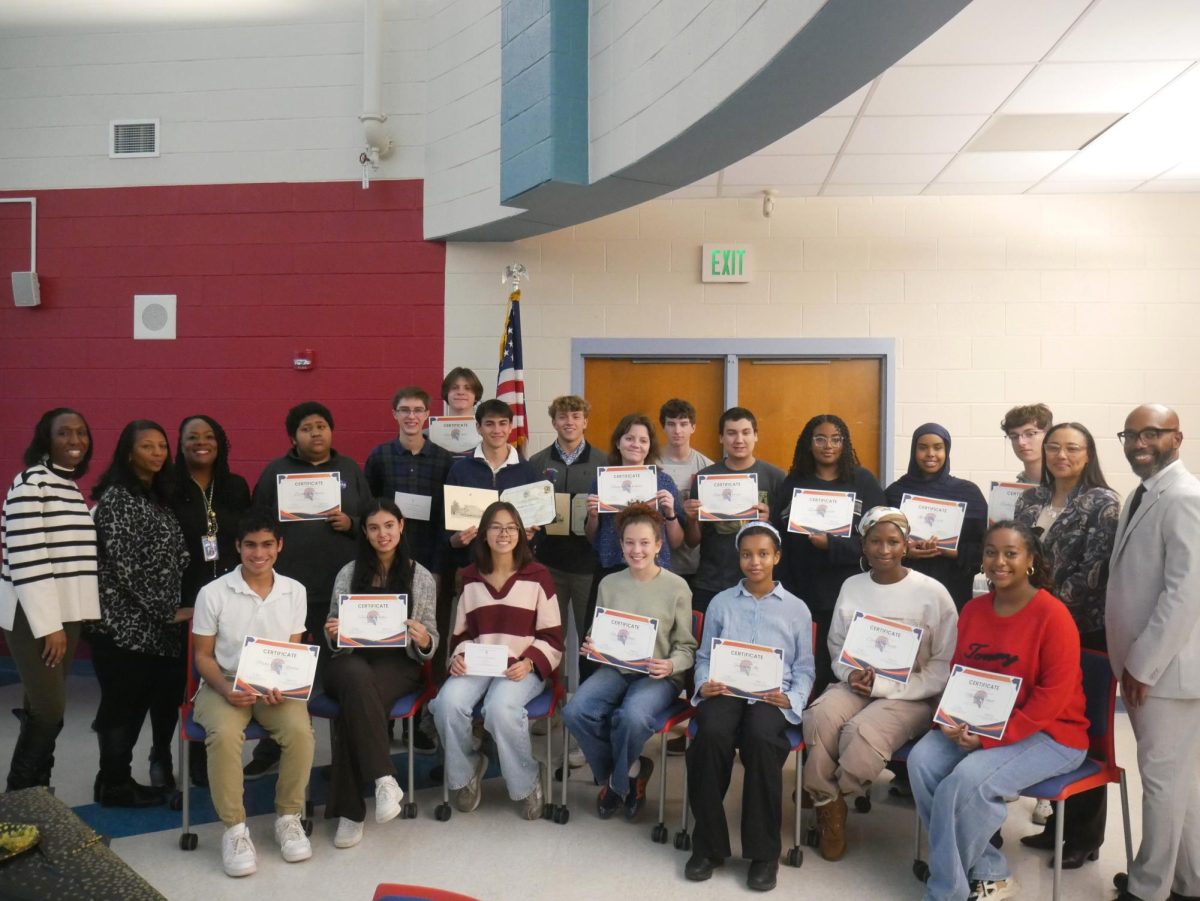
x: 666, y: 598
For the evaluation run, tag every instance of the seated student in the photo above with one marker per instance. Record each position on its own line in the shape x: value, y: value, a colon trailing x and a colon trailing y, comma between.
x: 758, y: 610
x: 366, y: 682
x: 960, y: 780
x: 856, y: 725
x: 508, y: 600
x: 251, y: 600
x: 612, y: 714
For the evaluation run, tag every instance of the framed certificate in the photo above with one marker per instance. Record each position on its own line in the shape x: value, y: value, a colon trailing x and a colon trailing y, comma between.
x: 414, y: 506
x: 456, y: 434
x: 265, y: 664
x: 813, y: 510
x: 372, y: 621
x: 535, y: 503
x: 624, y: 640
x: 579, y: 514
x: 931, y: 517
x: 747, y: 670
x: 562, y: 515
x: 727, y: 496
x: 884, y: 645
x: 308, y: 495
x: 1002, y: 500
x: 485, y: 659
x: 983, y: 701
x: 465, y: 506
x: 620, y: 486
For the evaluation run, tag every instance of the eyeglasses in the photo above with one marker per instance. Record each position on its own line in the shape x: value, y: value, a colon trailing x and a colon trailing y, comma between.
x: 1147, y: 435
x: 410, y: 411
x: 829, y: 440
x: 1072, y: 450
x: 497, y: 529
x: 1027, y: 435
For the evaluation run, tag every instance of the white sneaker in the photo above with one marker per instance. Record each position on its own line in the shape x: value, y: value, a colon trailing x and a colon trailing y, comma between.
x: 293, y: 843
x: 993, y: 891
x: 388, y: 795
x: 237, y: 851
x: 1042, y: 812
x: 349, y: 833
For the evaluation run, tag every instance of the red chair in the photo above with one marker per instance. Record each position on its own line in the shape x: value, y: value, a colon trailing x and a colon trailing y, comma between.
x: 392, y: 891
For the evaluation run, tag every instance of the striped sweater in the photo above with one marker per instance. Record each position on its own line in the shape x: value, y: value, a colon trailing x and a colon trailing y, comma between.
x: 49, y: 565
x: 523, y: 615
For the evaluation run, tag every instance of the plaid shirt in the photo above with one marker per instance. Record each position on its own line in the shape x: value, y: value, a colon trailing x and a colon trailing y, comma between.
x: 390, y: 468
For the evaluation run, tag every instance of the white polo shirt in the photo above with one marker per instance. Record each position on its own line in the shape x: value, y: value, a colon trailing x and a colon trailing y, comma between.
x: 231, y: 610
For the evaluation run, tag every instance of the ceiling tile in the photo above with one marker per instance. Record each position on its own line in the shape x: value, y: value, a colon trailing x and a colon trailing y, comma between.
x: 1091, y: 87
x: 1008, y: 166
x: 851, y: 105
x: 910, y: 190
x: 943, y: 90
x: 1134, y: 30
x: 894, y: 169
x: 772, y: 171
x: 1083, y: 187
x: 692, y: 191
x: 1189, y: 168
x: 1158, y: 186
x: 824, y: 134
x: 994, y: 187
x: 782, y: 190
x: 1049, y: 131
x: 998, y: 31
x: 913, y: 134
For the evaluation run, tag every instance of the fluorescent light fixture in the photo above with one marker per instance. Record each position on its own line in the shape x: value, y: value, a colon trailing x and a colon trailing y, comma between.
x: 1058, y: 131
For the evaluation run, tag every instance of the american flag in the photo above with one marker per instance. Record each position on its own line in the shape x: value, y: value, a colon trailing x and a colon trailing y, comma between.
x: 510, y: 381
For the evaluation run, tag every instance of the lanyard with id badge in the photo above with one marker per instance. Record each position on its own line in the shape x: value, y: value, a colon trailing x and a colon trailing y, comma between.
x: 208, y: 542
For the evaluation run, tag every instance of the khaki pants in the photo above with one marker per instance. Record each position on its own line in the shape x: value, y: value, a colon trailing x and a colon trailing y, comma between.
x: 851, y: 738
x: 288, y: 724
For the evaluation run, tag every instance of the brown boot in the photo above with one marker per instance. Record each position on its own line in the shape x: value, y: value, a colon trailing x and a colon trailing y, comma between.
x: 831, y: 827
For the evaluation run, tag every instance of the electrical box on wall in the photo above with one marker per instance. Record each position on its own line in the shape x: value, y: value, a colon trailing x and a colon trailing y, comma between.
x: 26, y: 290
x: 154, y: 317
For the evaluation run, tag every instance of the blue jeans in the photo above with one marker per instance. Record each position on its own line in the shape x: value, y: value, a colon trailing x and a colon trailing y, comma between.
x: 612, y: 716
x: 505, y: 719
x: 960, y: 797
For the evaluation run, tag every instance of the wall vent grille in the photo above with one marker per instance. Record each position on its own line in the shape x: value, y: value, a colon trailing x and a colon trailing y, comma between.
x: 133, y: 138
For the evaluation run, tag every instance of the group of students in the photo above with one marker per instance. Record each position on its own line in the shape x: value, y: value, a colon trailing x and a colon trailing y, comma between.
x: 187, y: 540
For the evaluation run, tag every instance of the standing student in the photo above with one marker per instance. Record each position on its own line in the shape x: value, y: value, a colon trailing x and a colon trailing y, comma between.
x: 136, y: 643
x: 1153, y: 625
x: 815, y: 566
x: 681, y: 462
x: 929, y: 476
x: 758, y: 610
x: 961, y: 780
x: 253, y: 599
x: 48, y: 583
x: 461, y: 391
x: 718, y: 566
x: 1025, y: 428
x: 209, y: 500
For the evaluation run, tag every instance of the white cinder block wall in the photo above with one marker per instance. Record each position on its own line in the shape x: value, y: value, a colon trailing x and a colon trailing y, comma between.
x: 1089, y: 303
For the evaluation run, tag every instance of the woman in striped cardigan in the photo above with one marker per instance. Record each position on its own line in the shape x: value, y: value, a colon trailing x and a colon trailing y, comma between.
x: 47, y: 583
x: 507, y: 600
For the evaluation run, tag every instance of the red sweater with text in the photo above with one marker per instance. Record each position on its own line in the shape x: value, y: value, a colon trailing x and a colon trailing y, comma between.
x: 1041, y: 645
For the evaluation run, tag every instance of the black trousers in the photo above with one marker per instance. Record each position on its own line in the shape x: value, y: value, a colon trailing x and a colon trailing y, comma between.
x: 723, y: 725
x: 164, y: 706
x: 822, y: 619
x: 365, y: 683
x: 128, y: 681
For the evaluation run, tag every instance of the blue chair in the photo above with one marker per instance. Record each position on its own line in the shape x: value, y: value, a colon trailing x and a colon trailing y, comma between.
x: 405, y: 708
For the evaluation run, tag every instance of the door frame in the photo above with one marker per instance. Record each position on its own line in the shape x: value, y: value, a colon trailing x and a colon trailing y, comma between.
x: 732, y: 349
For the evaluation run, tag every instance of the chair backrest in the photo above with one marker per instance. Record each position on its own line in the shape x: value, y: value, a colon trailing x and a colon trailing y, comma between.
x: 689, y: 680
x: 193, y: 674
x: 1100, y: 697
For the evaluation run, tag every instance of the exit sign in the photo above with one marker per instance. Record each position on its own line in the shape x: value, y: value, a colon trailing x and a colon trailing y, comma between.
x: 725, y: 263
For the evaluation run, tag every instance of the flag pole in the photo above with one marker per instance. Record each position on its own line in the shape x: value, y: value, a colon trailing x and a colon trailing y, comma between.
x: 510, y: 377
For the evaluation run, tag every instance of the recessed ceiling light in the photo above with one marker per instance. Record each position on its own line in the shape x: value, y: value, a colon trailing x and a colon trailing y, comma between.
x: 1059, y: 131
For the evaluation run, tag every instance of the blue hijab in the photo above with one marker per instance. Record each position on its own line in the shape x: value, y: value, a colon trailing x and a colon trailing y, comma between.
x: 941, y: 484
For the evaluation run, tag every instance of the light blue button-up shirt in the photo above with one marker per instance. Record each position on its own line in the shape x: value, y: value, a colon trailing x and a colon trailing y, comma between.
x: 779, y: 619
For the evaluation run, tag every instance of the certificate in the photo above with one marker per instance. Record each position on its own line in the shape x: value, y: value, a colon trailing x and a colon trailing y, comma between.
x: 813, y: 510
x: 414, y: 506
x: 562, y: 515
x: 885, y: 645
x: 265, y: 664
x: 983, y: 701
x: 308, y: 495
x: 727, y: 496
x: 456, y: 434
x: 372, y: 621
x: 620, y: 486
x: 535, y: 503
x: 1002, y: 500
x: 931, y: 517
x: 579, y: 514
x: 623, y: 639
x: 465, y: 506
x: 747, y: 670
x: 485, y: 659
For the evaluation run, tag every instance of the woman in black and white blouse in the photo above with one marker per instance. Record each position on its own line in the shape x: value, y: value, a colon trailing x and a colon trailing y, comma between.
x: 135, y: 646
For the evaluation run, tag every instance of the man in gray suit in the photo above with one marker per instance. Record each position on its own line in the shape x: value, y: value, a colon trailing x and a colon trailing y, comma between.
x: 1153, y: 625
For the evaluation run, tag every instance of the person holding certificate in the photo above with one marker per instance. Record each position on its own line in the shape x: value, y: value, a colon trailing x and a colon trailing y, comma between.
x: 929, y: 476
x: 1076, y: 514
x: 815, y: 562
x: 962, y: 778
x: 252, y: 601
x: 507, y: 641
x: 367, y: 681
x: 760, y: 611
x: 888, y: 677
x: 612, y: 713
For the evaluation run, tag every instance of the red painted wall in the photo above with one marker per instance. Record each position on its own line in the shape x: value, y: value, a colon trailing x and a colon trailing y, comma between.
x: 260, y: 271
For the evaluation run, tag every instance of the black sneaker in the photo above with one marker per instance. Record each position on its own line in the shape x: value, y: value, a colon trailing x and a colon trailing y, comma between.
x: 636, y: 799
x: 607, y: 802
x: 700, y: 866
x: 677, y: 746
x: 423, y: 743
x: 257, y: 768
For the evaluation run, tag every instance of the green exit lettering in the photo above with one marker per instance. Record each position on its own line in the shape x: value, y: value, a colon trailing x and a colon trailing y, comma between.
x: 728, y: 262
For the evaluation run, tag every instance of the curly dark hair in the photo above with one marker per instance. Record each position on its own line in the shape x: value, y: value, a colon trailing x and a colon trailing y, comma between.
x: 640, y: 512
x: 1040, y: 577
x: 39, y: 446
x: 804, y: 464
